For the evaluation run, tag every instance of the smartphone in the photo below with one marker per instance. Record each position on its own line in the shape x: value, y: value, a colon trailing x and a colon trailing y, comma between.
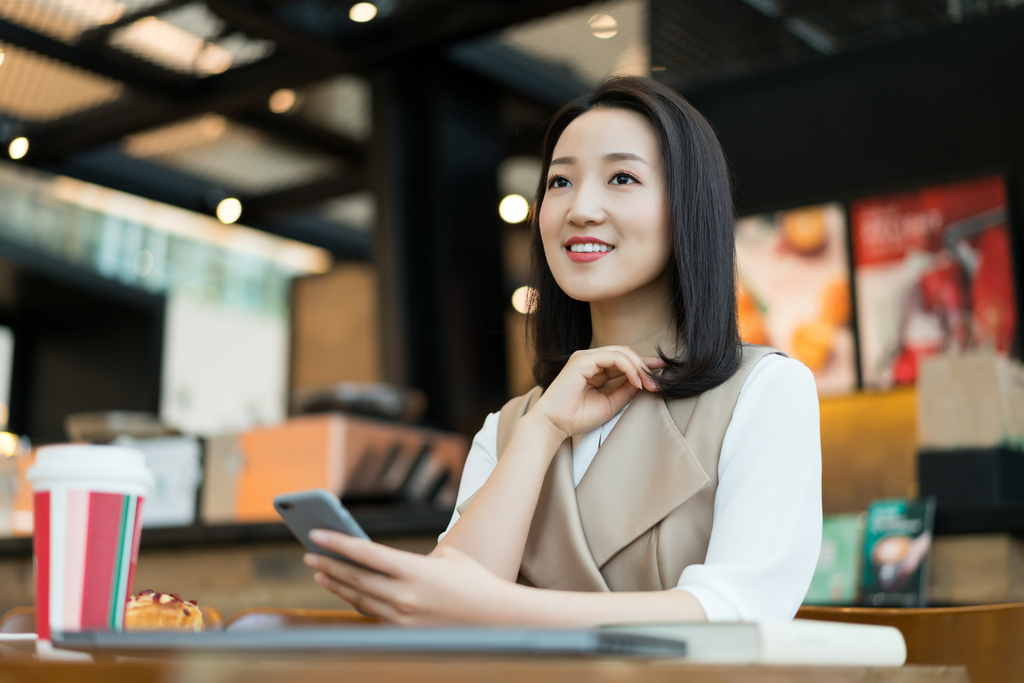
x: 304, y: 511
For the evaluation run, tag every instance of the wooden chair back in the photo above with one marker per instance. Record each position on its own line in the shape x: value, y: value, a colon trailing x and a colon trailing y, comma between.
x: 266, y: 618
x: 987, y: 639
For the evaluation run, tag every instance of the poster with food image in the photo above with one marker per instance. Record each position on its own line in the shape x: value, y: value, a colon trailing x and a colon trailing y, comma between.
x: 934, y: 272
x: 794, y: 290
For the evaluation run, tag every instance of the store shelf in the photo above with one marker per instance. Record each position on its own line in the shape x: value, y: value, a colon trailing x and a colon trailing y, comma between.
x: 379, y: 521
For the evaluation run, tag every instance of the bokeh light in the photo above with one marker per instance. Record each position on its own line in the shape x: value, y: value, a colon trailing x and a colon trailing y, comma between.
x: 18, y: 148
x: 514, y: 208
x: 603, y: 25
x: 10, y: 444
x: 229, y: 210
x: 362, y: 12
x: 524, y: 299
x: 282, y: 100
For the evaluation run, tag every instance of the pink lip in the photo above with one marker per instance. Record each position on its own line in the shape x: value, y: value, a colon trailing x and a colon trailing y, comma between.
x: 585, y: 257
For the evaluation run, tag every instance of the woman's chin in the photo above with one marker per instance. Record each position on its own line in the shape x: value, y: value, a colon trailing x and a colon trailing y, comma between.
x: 591, y: 294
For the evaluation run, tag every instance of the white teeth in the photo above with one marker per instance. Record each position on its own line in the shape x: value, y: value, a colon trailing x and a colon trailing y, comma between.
x: 588, y: 247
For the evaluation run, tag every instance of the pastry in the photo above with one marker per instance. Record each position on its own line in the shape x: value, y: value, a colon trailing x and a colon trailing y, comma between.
x: 151, y: 611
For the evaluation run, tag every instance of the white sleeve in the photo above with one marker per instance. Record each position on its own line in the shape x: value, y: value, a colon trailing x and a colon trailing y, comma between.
x: 767, y: 525
x: 480, y: 462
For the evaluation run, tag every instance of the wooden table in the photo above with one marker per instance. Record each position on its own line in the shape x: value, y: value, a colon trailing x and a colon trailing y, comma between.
x: 456, y: 670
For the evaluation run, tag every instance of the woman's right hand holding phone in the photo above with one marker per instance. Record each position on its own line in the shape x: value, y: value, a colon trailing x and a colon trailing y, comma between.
x: 574, y: 403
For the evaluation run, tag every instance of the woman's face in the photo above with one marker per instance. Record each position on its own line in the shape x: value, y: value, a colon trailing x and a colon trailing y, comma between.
x: 604, y: 218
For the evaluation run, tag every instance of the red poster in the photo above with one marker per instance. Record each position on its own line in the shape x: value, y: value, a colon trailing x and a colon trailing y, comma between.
x: 934, y: 272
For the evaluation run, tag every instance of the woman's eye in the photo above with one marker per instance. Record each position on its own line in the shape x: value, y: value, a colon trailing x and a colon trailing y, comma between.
x: 622, y: 179
x: 558, y: 181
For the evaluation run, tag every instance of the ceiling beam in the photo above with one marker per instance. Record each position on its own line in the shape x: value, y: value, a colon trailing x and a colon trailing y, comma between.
x: 303, y: 133
x: 242, y: 89
x: 137, y: 76
x: 266, y: 206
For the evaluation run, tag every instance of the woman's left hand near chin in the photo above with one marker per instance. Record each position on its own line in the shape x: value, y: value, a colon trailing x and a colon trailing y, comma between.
x: 407, y: 588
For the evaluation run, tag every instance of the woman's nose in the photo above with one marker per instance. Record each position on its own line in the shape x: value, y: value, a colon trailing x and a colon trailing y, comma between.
x: 586, y: 206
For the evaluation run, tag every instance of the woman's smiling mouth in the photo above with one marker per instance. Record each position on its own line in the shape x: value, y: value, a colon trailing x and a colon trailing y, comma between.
x: 583, y: 249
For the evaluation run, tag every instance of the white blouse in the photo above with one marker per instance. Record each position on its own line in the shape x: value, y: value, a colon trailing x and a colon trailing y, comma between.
x: 766, y: 533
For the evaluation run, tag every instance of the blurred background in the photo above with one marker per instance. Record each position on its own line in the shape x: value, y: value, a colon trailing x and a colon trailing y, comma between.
x: 279, y: 244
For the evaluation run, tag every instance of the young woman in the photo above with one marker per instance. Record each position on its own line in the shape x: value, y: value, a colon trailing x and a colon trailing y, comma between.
x: 661, y: 470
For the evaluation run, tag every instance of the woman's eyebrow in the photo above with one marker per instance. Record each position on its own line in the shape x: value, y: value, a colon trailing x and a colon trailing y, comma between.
x: 611, y: 156
x: 625, y: 156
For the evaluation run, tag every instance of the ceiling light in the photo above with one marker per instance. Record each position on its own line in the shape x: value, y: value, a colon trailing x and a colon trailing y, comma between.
x: 1, y: 56
x: 229, y: 210
x: 282, y: 100
x: 18, y: 148
x: 362, y: 12
x: 524, y: 299
x: 514, y: 208
x: 603, y: 25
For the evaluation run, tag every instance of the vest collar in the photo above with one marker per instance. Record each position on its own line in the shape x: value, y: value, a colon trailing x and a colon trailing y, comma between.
x: 642, y: 471
x: 556, y: 553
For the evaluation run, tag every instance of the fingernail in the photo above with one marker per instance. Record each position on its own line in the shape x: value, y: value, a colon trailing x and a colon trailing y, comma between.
x: 311, y: 560
x: 321, y: 579
x: 318, y: 536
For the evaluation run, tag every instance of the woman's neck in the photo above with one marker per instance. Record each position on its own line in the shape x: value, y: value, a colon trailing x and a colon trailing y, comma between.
x: 643, y: 319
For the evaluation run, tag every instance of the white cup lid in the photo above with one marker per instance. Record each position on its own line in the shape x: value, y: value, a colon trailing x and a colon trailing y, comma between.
x: 116, y: 464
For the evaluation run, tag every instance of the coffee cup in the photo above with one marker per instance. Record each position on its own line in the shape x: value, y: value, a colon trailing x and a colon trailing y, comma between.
x: 88, y: 519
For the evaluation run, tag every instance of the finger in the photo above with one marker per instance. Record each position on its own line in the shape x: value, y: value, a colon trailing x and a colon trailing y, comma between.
x: 636, y: 358
x: 367, y: 553
x: 644, y: 368
x: 654, y: 362
x: 607, y: 358
x: 362, y: 580
x: 366, y: 604
x: 621, y: 396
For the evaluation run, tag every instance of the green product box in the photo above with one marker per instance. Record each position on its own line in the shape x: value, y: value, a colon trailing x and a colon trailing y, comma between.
x: 837, y: 576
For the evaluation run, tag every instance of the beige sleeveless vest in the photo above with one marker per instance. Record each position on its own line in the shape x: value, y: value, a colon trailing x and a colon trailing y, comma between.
x: 643, y: 510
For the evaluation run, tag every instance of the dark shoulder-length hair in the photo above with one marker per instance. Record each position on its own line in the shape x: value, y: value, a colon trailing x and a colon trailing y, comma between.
x: 701, y: 266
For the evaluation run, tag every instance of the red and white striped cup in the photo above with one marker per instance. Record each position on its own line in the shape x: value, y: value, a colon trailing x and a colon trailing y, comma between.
x: 88, y: 519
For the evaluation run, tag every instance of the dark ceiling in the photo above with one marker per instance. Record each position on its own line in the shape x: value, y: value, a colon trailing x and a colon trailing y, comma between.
x: 701, y: 42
